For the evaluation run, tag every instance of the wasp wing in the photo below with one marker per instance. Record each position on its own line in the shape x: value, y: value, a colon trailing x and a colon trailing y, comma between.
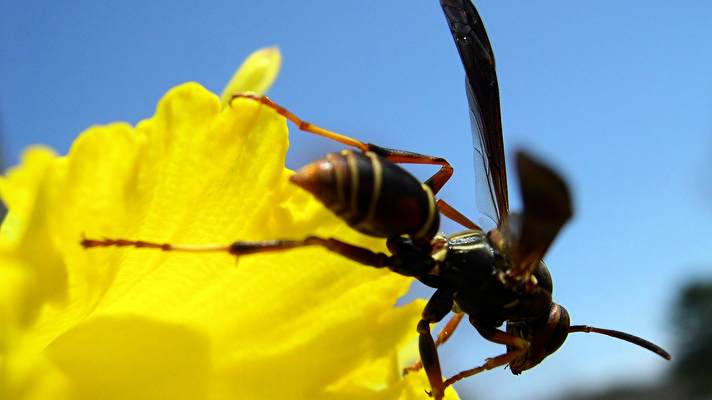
x: 483, y: 98
x: 485, y: 188
x: 547, y: 208
x: 547, y: 203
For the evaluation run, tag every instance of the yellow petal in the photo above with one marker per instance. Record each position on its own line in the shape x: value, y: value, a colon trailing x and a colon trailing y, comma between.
x: 19, y: 193
x: 131, y: 357
x: 140, y: 323
x: 25, y: 234
x: 256, y: 74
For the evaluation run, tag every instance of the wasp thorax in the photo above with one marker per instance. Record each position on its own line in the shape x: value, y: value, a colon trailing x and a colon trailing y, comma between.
x: 371, y: 194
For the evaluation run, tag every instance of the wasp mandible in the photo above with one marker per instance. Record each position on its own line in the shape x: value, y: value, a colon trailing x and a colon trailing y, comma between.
x: 493, y: 277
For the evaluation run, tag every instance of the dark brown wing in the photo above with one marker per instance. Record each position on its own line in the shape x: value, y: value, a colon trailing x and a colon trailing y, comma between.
x: 547, y: 203
x: 547, y: 207
x: 483, y: 97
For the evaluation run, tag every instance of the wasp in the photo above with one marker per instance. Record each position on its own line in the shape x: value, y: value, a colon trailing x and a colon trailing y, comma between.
x: 495, y: 278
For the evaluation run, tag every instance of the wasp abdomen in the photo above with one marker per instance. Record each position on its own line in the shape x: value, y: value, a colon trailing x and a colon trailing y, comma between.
x: 373, y: 195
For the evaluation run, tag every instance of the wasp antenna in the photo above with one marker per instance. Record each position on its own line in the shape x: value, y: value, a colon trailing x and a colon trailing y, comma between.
x: 623, y: 336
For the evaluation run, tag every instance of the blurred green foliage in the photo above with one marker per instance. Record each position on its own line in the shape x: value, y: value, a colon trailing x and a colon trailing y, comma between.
x: 692, y: 319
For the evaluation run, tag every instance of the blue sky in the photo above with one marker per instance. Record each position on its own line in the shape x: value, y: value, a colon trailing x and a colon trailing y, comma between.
x: 616, y: 95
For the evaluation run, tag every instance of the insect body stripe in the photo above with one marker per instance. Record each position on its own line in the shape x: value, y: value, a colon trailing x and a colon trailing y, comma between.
x: 353, y: 170
x: 377, y: 182
x: 431, y: 213
x: 339, y: 176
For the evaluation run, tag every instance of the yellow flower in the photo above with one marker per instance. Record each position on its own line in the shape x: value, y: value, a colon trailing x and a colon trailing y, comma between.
x: 126, y: 323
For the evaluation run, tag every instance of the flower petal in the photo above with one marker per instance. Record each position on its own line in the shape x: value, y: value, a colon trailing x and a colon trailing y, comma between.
x: 136, y: 358
x: 256, y: 74
x: 143, y: 323
x: 25, y: 234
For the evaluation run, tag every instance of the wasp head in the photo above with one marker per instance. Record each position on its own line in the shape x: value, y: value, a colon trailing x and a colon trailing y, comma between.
x: 545, y: 335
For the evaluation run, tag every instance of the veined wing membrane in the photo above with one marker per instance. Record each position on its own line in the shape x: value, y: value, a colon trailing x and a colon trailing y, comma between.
x: 485, y: 196
x: 483, y: 97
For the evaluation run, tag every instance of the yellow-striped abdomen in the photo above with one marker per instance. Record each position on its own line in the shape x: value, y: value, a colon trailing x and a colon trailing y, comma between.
x: 371, y: 194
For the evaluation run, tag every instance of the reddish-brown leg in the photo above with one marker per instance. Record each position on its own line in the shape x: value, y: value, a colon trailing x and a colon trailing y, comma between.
x: 303, y: 125
x: 497, y: 336
x: 437, y: 308
x: 355, y: 253
x: 435, y: 182
x: 443, y: 336
x: 450, y: 212
x: 490, y: 363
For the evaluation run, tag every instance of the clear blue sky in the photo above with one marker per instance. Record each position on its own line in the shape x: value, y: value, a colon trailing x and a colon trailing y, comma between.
x: 616, y: 95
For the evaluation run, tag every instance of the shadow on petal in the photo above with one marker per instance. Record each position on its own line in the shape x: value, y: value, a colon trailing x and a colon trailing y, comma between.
x: 133, y: 358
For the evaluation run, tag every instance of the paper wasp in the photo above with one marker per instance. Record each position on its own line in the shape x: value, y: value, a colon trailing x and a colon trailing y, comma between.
x: 493, y: 277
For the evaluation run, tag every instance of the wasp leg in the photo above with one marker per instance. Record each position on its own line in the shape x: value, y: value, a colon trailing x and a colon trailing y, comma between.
x: 407, y: 259
x: 449, y: 328
x: 490, y: 363
x: 443, y: 336
x: 350, y: 251
x: 495, y: 335
x: 450, y: 212
x: 303, y: 125
x: 241, y: 248
x: 435, y: 182
x: 437, y: 308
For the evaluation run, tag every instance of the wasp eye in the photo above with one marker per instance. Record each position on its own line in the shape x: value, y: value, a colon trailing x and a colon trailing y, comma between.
x: 557, y: 327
